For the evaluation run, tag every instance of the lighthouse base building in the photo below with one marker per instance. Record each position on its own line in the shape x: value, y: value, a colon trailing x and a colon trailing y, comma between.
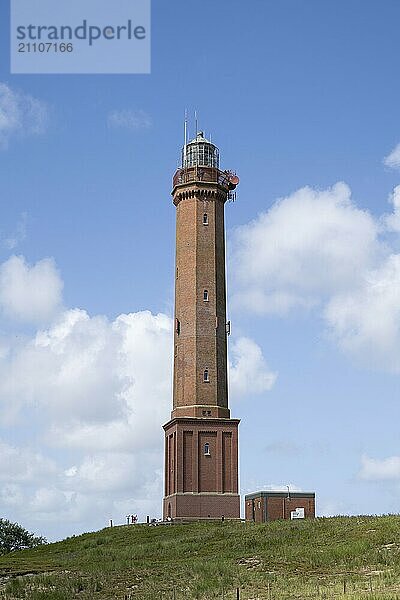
x: 201, y: 469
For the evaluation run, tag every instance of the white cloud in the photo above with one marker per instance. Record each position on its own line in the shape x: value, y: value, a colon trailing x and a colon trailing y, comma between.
x: 316, y: 249
x: 47, y: 501
x: 105, y: 437
x: 374, y: 469
x: 392, y: 160
x: 334, y: 508
x: 248, y: 371
x: 119, y: 473
x: 11, y: 496
x: 302, y: 250
x: 100, y: 383
x: 365, y: 321
x: 132, y: 120
x: 98, y: 393
x: 20, y: 115
x: 274, y: 487
x: 30, y: 293
x: 23, y: 465
x: 392, y: 221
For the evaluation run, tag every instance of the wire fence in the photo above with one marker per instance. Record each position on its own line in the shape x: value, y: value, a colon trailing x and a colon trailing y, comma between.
x: 344, y: 589
x: 43, y: 587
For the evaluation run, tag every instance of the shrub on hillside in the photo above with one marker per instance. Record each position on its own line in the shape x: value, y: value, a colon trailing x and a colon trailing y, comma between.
x: 14, y: 537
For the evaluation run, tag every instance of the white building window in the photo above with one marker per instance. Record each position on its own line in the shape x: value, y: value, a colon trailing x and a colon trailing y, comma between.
x: 205, y: 295
x: 207, y: 449
x: 205, y: 219
x: 206, y: 376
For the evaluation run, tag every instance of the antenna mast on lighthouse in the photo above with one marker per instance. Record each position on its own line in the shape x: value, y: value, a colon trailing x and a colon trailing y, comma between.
x: 185, y: 140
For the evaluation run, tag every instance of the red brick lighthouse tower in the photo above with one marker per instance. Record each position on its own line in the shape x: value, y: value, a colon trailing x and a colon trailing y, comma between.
x: 201, y: 440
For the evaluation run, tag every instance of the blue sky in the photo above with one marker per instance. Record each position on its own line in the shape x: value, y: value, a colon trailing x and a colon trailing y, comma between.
x: 295, y: 94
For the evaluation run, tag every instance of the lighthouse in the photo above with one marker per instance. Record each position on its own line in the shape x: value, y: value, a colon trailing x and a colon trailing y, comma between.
x: 201, y: 438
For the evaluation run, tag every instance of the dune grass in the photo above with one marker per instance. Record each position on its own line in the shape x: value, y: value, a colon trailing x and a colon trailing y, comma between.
x: 342, y: 558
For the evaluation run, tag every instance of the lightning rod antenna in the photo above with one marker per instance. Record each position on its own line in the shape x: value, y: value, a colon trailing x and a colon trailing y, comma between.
x: 185, y: 141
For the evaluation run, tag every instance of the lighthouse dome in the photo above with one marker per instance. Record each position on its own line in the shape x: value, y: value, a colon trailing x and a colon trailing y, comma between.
x: 200, y: 152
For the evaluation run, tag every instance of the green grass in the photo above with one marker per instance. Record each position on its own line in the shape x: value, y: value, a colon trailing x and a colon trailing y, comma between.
x: 342, y: 558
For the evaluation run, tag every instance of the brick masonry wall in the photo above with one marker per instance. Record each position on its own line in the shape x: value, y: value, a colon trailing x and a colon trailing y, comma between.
x: 280, y: 508
x: 189, y: 471
x: 200, y: 506
x: 261, y: 508
x: 201, y: 342
x: 199, y: 484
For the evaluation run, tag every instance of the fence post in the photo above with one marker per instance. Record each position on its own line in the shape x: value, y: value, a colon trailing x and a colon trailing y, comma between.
x: 344, y: 586
x: 237, y: 594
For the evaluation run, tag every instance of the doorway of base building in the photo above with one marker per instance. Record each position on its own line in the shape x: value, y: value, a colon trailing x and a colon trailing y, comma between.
x: 169, y: 511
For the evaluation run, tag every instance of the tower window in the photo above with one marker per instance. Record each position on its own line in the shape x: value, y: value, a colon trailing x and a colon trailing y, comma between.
x: 205, y: 219
x: 207, y: 449
x: 206, y: 375
x: 178, y: 326
x: 205, y: 295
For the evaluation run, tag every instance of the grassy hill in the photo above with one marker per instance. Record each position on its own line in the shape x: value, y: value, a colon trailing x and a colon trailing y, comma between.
x: 343, y: 558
